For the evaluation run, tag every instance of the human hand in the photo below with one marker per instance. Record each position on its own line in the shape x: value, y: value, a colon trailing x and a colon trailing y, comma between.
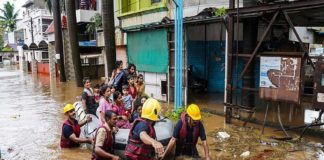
x: 207, y: 158
x: 90, y: 140
x: 116, y: 158
x: 115, y: 130
x: 158, y: 148
x: 89, y: 119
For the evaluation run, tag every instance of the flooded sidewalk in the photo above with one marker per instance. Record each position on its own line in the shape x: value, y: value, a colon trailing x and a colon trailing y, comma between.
x: 31, y: 119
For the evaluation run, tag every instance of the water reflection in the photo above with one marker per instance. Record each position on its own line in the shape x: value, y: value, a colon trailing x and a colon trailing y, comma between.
x: 31, y: 118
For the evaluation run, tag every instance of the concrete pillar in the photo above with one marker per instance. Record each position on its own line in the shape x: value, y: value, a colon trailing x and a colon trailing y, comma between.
x: 34, y: 63
x: 22, y: 59
x: 52, y: 60
x: 68, y: 61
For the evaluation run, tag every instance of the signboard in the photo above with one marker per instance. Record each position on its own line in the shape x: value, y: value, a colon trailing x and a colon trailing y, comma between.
x: 280, y: 78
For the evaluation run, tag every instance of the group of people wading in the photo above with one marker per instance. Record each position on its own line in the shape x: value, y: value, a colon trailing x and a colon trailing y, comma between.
x: 134, y: 111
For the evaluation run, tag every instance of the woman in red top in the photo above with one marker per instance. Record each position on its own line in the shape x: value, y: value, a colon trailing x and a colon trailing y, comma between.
x: 122, y: 115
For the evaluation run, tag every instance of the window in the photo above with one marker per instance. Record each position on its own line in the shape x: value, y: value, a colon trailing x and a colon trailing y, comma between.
x: 155, y: 1
x: 17, y: 58
x: 93, y: 61
x: 164, y: 87
x: 44, y: 55
x: 0, y: 58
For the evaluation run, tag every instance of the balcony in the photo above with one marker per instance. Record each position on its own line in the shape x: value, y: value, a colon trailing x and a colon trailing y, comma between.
x: 84, y: 15
x: 130, y: 7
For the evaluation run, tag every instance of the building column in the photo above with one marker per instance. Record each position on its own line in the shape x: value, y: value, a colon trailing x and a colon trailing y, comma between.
x: 34, y: 63
x: 22, y: 59
x: 52, y: 60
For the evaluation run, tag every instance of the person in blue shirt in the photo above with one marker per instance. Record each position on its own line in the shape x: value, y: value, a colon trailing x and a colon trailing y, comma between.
x: 186, y: 133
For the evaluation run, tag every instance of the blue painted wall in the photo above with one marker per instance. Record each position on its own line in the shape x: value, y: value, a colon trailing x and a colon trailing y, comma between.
x: 210, y: 65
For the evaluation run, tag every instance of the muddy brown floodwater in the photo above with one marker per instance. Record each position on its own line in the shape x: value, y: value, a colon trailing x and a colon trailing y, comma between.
x: 31, y: 118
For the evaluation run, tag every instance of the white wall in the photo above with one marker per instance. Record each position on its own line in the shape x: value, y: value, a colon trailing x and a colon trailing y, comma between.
x: 153, y: 84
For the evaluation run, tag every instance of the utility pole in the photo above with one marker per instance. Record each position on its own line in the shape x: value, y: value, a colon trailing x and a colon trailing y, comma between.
x: 178, y: 37
x: 33, y: 63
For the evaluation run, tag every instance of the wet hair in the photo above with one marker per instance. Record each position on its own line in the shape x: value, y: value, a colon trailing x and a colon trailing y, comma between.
x: 109, y: 114
x: 103, y: 89
x: 118, y: 63
x: 112, y: 87
x: 144, y: 96
x: 85, y: 80
x: 137, y: 103
x: 97, y: 86
x: 116, y: 95
x: 140, y: 75
x: 130, y: 77
x: 131, y: 65
x: 125, y: 87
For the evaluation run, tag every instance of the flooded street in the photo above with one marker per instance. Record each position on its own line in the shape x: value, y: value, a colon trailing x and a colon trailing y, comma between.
x: 31, y: 118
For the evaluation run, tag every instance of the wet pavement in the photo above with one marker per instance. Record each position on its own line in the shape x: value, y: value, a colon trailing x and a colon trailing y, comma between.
x: 31, y: 118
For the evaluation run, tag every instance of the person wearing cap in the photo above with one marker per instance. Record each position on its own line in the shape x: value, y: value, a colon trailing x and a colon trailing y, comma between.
x: 71, y: 129
x: 186, y: 133
x: 142, y: 143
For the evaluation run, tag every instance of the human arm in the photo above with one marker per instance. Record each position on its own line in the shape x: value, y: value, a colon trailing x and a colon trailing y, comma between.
x: 100, y: 152
x: 205, y: 145
x: 203, y: 138
x: 84, y: 100
x: 169, y: 147
x: 150, y: 141
x: 76, y: 139
x: 88, y: 119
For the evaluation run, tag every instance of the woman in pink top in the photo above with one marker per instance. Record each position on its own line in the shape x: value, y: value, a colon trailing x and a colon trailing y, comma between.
x: 122, y: 115
x: 104, y: 103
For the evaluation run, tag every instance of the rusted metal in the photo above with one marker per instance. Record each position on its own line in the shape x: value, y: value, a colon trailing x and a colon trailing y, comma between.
x: 318, y: 96
x: 299, y: 40
x: 298, y: 5
x: 258, y: 45
x: 229, y: 82
x: 280, y: 79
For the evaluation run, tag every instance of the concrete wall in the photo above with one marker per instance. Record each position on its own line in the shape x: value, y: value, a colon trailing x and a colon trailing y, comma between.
x: 52, y: 60
x: 153, y: 85
x: 121, y: 55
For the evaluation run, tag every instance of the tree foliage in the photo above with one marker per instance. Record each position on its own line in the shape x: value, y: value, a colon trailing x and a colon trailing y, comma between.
x: 8, y: 18
x: 220, y: 12
x: 1, y: 38
x: 96, y: 22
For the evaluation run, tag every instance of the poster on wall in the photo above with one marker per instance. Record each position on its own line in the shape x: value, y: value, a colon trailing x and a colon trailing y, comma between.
x: 280, y: 78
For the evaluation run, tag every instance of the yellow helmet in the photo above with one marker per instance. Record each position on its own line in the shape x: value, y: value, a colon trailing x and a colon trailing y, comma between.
x: 150, y: 110
x: 194, y: 112
x: 68, y: 107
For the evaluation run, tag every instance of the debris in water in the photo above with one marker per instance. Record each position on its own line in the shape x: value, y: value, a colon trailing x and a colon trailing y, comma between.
x: 16, y: 116
x: 245, y: 154
x: 320, y: 155
x: 223, y: 135
x: 318, y: 145
x: 273, y: 144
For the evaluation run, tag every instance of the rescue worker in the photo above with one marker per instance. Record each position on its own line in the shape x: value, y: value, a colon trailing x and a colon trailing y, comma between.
x: 104, y: 139
x: 142, y: 143
x: 71, y: 129
x: 186, y: 133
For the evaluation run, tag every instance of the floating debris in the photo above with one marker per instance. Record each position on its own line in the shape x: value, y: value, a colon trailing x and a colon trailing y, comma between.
x: 245, y: 154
